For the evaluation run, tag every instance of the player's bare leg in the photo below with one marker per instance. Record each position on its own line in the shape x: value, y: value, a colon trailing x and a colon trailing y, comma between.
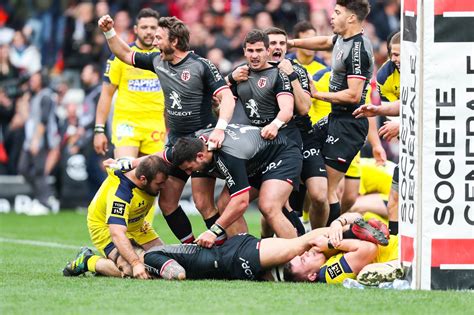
x: 203, y: 196
x: 272, y: 198
x: 319, y: 206
x: 351, y: 192
x: 370, y: 203
x: 334, y: 177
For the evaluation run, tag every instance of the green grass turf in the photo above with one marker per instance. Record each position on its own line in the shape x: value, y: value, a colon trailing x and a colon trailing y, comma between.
x: 31, y: 282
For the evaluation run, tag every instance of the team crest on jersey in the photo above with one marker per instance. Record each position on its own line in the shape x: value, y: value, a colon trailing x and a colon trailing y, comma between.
x: 185, y: 75
x: 262, y: 82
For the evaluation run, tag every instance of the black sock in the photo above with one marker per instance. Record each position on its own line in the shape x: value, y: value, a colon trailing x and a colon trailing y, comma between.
x: 86, y: 259
x: 334, y: 212
x: 349, y: 234
x: 180, y: 226
x: 295, y: 221
x: 210, y: 221
x: 393, y: 227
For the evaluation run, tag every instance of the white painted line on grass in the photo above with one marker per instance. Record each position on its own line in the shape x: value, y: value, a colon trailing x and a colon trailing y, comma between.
x: 37, y: 243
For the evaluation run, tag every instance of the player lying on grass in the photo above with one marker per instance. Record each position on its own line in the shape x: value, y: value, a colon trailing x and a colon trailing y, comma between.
x: 116, y: 222
x: 244, y: 257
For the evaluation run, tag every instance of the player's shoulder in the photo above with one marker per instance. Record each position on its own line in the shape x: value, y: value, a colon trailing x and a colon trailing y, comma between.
x: 385, y: 71
x: 318, y: 75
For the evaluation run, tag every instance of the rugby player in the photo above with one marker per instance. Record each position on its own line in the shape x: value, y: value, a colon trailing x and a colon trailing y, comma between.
x: 116, y: 222
x: 252, y: 167
x: 189, y: 83
x: 340, y: 135
x: 138, y: 124
x: 245, y: 257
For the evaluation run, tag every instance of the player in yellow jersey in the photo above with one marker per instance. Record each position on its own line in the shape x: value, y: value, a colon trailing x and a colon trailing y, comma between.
x: 374, y: 188
x: 116, y: 222
x: 138, y: 126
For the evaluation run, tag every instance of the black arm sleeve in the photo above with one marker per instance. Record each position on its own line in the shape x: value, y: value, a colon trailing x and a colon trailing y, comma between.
x: 145, y: 61
x: 46, y: 108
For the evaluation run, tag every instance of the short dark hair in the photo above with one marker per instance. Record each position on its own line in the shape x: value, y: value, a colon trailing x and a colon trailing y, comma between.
x: 176, y: 30
x: 255, y: 36
x: 151, y: 166
x: 302, y: 27
x: 186, y: 149
x: 360, y: 8
x: 147, y: 12
x: 288, y: 273
x: 393, y: 38
x: 275, y: 31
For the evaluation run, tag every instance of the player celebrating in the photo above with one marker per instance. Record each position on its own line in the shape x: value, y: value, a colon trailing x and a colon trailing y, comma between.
x: 340, y: 135
x: 189, y: 83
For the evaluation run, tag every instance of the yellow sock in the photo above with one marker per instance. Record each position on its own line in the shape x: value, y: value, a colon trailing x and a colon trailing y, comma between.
x: 92, y: 262
x: 150, y: 216
x: 305, y: 215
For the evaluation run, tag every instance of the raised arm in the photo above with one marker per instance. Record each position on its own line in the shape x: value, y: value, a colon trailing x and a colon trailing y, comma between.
x: 117, y: 46
x: 313, y: 43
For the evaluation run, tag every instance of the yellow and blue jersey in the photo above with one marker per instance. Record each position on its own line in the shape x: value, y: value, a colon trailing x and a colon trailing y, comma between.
x: 119, y: 201
x: 388, y: 82
x: 375, y: 178
x: 140, y: 97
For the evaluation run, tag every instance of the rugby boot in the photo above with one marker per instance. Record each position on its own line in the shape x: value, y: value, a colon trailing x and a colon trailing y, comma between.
x: 379, y: 226
x: 78, y: 266
x: 367, y: 232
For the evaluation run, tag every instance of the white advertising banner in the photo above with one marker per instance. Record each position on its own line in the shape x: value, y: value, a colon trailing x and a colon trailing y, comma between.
x: 436, y: 208
x: 410, y: 86
x: 448, y: 145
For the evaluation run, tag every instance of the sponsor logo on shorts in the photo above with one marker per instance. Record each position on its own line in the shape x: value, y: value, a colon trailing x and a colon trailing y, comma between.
x: 334, y: 270
x: 246, y: 267
x: 331, y: 139
x: 272, y: 166
x: 311, y: 152
x: 118, y: 208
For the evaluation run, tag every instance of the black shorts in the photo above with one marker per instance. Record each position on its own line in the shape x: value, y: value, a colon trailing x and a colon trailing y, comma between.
x: 292, y: 133
x: 341, y: 136
x: 313, y: 161
x: 395, y: 179
x: 176, y: 171
x: 239, y: 258
x: 285, y: 166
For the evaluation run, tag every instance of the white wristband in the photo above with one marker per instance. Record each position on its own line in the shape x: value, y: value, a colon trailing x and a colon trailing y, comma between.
x: 278, y: 122
x: 221, y: 124
x: 110, y: 33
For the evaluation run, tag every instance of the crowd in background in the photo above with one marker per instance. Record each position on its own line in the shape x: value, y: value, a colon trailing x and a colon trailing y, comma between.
x: 55, y: 48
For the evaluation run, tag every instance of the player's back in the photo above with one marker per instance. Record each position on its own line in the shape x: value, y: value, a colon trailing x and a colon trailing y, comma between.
x: 375, y: 178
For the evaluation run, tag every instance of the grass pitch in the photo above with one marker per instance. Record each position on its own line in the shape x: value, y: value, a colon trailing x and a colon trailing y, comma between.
x: 33, y: 251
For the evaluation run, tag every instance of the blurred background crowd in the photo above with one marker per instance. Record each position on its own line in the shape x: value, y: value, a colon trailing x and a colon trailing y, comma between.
x: 54, y: 48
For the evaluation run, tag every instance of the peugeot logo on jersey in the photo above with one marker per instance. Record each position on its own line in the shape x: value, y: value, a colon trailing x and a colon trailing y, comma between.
x: 262, y: 82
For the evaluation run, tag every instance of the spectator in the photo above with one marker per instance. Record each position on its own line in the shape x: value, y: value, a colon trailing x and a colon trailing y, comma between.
x: 23, y: 55
x: 40, y: 139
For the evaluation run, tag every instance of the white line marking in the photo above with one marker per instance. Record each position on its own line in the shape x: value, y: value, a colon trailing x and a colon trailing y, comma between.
x: 37, y: 243
x: 456, y: 266
x: 410, y: 13
x: 458, y: 14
